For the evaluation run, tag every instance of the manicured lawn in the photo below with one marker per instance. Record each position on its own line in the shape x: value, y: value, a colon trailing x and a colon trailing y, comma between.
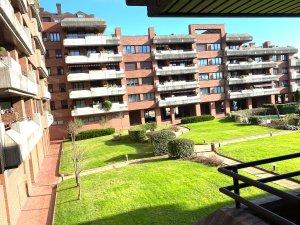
x: 221, y: 129
x: 157, y: 193
x: 103, y: 151
x: 265, y: 148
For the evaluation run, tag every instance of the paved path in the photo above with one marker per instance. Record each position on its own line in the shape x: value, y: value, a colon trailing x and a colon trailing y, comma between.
x: 39, y: 208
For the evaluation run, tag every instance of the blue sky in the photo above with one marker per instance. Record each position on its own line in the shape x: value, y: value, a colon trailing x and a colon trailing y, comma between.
x: 134, y: 21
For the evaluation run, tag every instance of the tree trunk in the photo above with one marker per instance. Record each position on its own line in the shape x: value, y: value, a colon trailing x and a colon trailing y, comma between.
x: 79, y: 192
x: 277, y: 111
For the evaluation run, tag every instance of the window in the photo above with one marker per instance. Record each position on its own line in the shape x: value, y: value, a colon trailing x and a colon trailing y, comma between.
x: 204, y: 91
x: 62, y: 87
x: 47, y: 55
x: 74, y: 52
x: 79, y: 103
x: 201, y: 47
x: 143, y: 49
x: 203, y: 62
x: 78, y: 86
x: 58, y: 54
x: 215, y: 47
x: 52, y: 105
x: 133, y: 82
x: 217, y: 76
x: 284, y: 83
x: 274, y: 58
x: 146, y: 65
x: 283, y: 57
x: 130, y: 66
x: 50, y: 88
x: 60, y: 71
x: 216, y: 61
x: 218, y: 89
x: 147, y: 81
x: 204, y: 76
x: 129, y: 49
x: 284, y: 70
x: 234, y: 47
x: 49, y: 71
x: 148, y: 96
x: 275, y: 71
x: 54, y: 37
x: 64, y: 104
x: 134, y: 98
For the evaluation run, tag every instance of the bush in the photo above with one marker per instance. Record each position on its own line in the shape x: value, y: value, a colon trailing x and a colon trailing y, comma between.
x: 94, y: 133
x: 254, y: 120
x: 291, y: 119
x: 150, y: 126
x: 209, y: 161
x: 196, y: 119
x: 107, y: 105
x: 160, y: 140
x: 283, y: 109
x: 181, y: 148
x: 137, y: 134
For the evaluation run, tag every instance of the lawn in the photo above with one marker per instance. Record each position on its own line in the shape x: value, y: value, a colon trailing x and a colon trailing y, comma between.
x: 165, y: 192
x: 266, y: 148
x: 102, y: 151
x: 220, y: 130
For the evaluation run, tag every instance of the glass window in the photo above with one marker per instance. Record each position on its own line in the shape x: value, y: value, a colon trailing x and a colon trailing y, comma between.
x: 143, y: 49
x: 64, y: 104
x: 49, y: 71
x: 147, y: 81
x: 274, y: 58
x: 54, y: 37
x: 78, y: 86
x: 129, y: 49
x: 284, y: 70
x: 60, y: 71
x: 203, y: 62
x: 217, y: 76
x: 204, y: 76
x: 50, y: 88
x: 283, y: 57
x: 133, y: 82
x: 216, y: 61
x: 275, y: 71
x: 146, y: 65
x: 134, y: 98
x: 58, y: 54
x: 284, y: 83
x: 62, y: 87
x: 215, y: 47
x: 130, y: 66
x: 52, y: 105
x: 204, y: 91
x: 201, y: 47
x: 218, y: 89
x: 47, y: 55
x: 148, y: 96
x: 74, y: 52
x: 79, y: 103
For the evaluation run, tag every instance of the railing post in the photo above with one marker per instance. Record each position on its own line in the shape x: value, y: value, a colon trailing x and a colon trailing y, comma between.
x: 236, y: 188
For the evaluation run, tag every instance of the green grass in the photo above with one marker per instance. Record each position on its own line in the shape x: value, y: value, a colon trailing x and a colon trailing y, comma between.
x: 266, y: 148
x: 159, y: 193
x: 102, y: 151
x: 220, y: 130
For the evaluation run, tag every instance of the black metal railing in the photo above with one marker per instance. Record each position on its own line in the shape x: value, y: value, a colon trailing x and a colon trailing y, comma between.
x: 234, y: 190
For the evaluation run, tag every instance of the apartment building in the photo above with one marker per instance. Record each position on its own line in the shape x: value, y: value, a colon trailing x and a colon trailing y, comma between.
x: 24, y: 104
x: 160, y: 78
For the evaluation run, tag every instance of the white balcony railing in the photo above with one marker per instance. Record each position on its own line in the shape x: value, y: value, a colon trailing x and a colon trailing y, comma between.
x: 38, y: 35
x: 91, y: 40
x: 295, y: 62
x: 48, y: 119
x: 295, y: 87
x: 252, y: 79
x: 94, y: 58
x: 251, y: 65
x: 177, y: 85
x: 44, y: 92
x: 22, y: 34
x: 97, y: 109
x: 98, y: 92
x: 295, y: 75
x: 96, y: 75
x: 174, y: 54
x: 41, y: 63
x: 13, y: 80
x: 179, y: 100
x: 253, y: 93
x: 176, y: 70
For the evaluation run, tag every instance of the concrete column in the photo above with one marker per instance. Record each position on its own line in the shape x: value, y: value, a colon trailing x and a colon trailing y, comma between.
x: 273, y: 100
x: 19, y: 108
x: 158, y: 115
x: 198, y: 109
x: 227, y: 106
x: 173, y: 119
x: 213, y: 108
x: 249, y: 103
x: 29, y: 107
x: 142, y: 112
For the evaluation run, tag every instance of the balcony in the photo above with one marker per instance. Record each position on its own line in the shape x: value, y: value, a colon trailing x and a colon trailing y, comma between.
x: 251, y: 65
x: 84, y: 23
x: 13, y: 82
x: 35, y: 5
x: 165, y: 39
x: 179, y: 100
x: 38, y: 36
x: 261, y: 51
x: 44, y: 93
x: 253, y: 93
x: 96, y: 75
x: 98, y: 92
x: 41, y: 63
x: 174, y: 54
x: 20, y: 34
x: 252, y: 79
x: 295, y: 87
x: 91, y: 40
x: 295, y: 75
x: 97, y: 109
x: 238, y: 38
x: 295, y: 62
x: 177, y: 85
x: 176, y: 70
x: 94, y: 58
x: 48, y: 119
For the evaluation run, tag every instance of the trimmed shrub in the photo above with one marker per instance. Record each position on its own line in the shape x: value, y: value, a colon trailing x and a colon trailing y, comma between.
x: 181, y: 148
x: 196, y: 119
x: 137, y: 134
x: 150, y: 126
x: 94, y: 133
x: 254, y: 120
x: 283, y: 108
x: 160, y: 140
x: 209, y: 161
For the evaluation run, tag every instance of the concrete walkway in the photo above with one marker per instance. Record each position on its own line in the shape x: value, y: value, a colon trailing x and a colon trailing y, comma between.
x: 39, y: 207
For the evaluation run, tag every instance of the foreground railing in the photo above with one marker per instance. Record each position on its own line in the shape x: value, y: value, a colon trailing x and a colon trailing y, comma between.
x: 234, y: 190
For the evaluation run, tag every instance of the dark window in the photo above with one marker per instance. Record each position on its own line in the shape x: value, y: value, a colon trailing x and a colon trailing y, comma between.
x: 47, y: 55
x: 284, y: 70
x: 133, y: 82
x: 74, y: 52
x: 275, y: 71
x: 203, y: 62
x: 50, y: 88
x: 130, y: 66
x: 204, y: 91
x: 78, y: 86
x: 215, y: 47
x: 62, y: 87
x: 58, y: 54
x: 147, y: 81
x: 216, y: 61
x: 64, y: 104
x: 49, y: 71
x: 52, y: 105
x: 129, y: 49
x: 218, y: 89
x: 54, y: 37
x: 217, y: 76
x: 143, y: 49
x: 60, y: 71
x: 134, y: 98
x: 148, y: 96
x: 204, y: 76
x: 201, y: 47
x: 146, y: 65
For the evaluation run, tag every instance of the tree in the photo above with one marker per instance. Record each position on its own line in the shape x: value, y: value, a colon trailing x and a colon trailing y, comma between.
x: 297, y: 96
x: 276, y: 110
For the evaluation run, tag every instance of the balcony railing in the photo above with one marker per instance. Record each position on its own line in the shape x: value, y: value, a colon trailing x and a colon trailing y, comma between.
x: 295, y: 62
x: 38, y: 36
x: 98, y: 109
x: 295, y: 75
x: 174, y: 54
x: 94, y: 58
x: 36, y: 12
x: 179, y: 100
x: 252, y: 79
x: 176, y: 70
x: 98, y: 92
x: 177, y: 85
x: 21, y: 33
x: 91, y: 40
x: 164, y: 39
x: 253, y: 93
x: 240, y: 38
x: 44, y: 93
x: 48, y: 119
x: 96, y: 75
x: 295, y: 87
x: 12, y: 79
x: 251, y: 65
x: 41, y: 63
x: 261, y: 51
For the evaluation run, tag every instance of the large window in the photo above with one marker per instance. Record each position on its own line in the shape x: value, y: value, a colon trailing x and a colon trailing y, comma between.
x: 50, y: 88
x: 134, y: 98
x: 60, y: 71
x: 129, y: 49
x: 78, y: 86
x: 218, y: 89
x: 58, y: 54
x: 62, y: 87
x: 74, y: 52
x: 133, y: 82
x: 201, y: 47
x: 130, y: 66
x: 49, y: 71
x: 52, y: 105
x: 64, y: 104
x: 146, y: 65
x: 283, y: 57
x: 54, y: 37
x: 216, y: 61
x: 204, y: 91
x: 284, y: 70
x: 203, y: 62
x: 204, y: 76
x: 217, y: 76
x: 215, y: 47
x: 143, y: 49
x: 148, y: 96
x: 147, y: 81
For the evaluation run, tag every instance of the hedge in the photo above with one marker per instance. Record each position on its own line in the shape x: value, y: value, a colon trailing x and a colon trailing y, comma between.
x: 254, y: 120
x: 94, y: 133
x: 181, y: 148
x: 160, y: 140
x: 149, y: 126
x: 283, y: 108
x: 137, y: 134
x: 196, y: 119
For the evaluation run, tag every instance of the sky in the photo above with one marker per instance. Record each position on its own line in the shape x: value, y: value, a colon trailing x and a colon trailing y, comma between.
x: 134, y: 21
